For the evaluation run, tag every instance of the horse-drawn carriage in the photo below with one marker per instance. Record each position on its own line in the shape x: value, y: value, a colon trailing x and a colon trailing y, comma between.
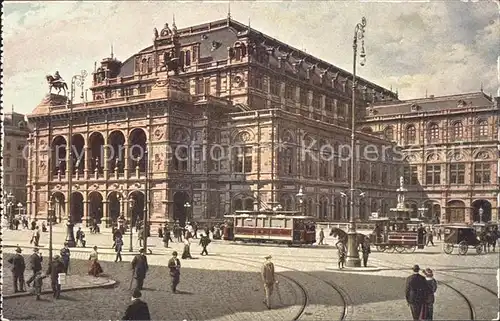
x: 392, y: 235
x: 462, y: 237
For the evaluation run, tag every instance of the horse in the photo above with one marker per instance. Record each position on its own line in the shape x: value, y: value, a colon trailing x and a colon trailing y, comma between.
x: 490, y: 239
x: 56, y: 84
x: 342, y: 236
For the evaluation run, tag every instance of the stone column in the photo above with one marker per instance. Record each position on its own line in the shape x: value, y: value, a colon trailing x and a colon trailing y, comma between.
x: 105, y: 213
x: 68, y: 152
x: 106, y: 162
x: 85, y: 217
x: 88, y: 163
x: 126, y: 161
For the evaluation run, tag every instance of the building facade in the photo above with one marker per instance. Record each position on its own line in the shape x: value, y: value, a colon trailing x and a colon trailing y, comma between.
x: 14, y: 153
x: 451, y: 146
x: 208, y: 120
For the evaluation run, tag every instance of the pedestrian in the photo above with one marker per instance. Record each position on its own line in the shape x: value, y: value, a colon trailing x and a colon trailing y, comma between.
x: 166, y: 236
x: 174, y: 264
x: 25, y: 222
x: 268, y: 278
x: 439, y: 233
x: 195, y: 230
x: 140, y: 236
x: 44, y: 227
x: 138, y: 309
x: 38, y: 284
x: 365, y: 250
x: 18, y: 267
x: 95, y: 267
x: 429, y: 237
x: 36, y: 264
x: 321, y: 236
x: 118, y: 248
x: 417, y: 291
x: 160, y: 231
x: 342, y: 254
x: 55, y: 268
x: 33, y: 225
x: 427, y: 312
x: 140, y: 268
x: 421, y: 235
x: 186, y: 254
x: 65, y: 255
x: 35, y: 238
x: 204, y: 241
x: 79, y: 235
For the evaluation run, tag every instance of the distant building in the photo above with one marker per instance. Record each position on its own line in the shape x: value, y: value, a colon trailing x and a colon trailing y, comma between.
x: 15, y: 154
x: 216, y: 85
x: 452, y: 149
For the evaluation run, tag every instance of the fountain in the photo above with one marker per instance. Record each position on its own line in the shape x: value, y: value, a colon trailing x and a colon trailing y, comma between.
x: 401, y: 212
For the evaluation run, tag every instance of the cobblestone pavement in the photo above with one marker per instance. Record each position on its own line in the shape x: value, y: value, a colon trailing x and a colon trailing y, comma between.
x: 73, y: 282
x: 225, y: 285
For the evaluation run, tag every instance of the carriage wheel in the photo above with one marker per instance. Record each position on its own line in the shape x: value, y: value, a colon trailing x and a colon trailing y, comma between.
x: 463, y: 248
x: 410, y: 248
x: 381, y: 248
x: 479, y: 249
x: 448, y: 248
x: 400, y: 248
x: 390, y: 249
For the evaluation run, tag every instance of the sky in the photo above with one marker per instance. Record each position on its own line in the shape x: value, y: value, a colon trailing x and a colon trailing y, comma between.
x: 438, y: 47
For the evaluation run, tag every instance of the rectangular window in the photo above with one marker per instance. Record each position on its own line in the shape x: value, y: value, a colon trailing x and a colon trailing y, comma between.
x: 289, y: 91
x: 482, y: 173
x: 243, y: 162
x: 7, y: 161
x: 199, y: 86
x: 206, y: 86
x: 316, y: 102
x: 328, y: 104
x: 274, y: 85
x: 303, y: 97
x: 216, y: 159
x: 385, y: 175
x: 341, y: 110
x: 410, y: 175
x: 7, y: 179
x: 374, y: 174
x: 257, y: 81
x: 433, y: 174
x: 457, y: 173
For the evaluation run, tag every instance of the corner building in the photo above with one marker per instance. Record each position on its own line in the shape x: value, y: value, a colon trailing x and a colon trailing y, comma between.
x: 451, y: 146
x: 230, y: 119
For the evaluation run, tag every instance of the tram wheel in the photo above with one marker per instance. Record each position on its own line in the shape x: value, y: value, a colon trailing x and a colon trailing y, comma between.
x: 448, y: 248
x: 400, y: 248
x: 381, y: 248
x: 479, y: 249
x: 390, y: 249
x: 410, y: 248
x: 463, y: 248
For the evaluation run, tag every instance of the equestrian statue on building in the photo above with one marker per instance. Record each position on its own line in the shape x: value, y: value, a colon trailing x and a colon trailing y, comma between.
x: 56, y: 82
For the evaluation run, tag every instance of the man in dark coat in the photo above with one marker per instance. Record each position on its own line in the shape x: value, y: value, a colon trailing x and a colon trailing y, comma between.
x: 204, y: 241
x: 18, y: 267
x: 36, y: 264
x: 138, y: 309
x: 166, y: 236
x: 417, y: 291
x: 421, y: 235
x: 140, y: 267
x: 174, y: 264
x: 65, y: 255
x: 55, y: 268
x: 365, y: 249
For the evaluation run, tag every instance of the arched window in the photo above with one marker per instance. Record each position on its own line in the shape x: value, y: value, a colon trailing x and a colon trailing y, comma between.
x: 482, y: 128
x: 433, y: 132
x: 458, y: 130
x: 238, y: 204
x: 411, y: 134
x: 182, y: 58
x: 374, y: 206
x: 248, y: 204
x: 188, y: 58
x: 389, y: 133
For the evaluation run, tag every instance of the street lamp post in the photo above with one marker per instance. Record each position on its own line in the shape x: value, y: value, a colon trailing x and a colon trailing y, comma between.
x: 76, y: 80
x: 481, y: 212
x: 300, y: 195
x: 10, y: 204
x: 187, y: 206
x: 131, y: 204
x: 50, y: 220
x: 352, y: 246
x: 19, y: 208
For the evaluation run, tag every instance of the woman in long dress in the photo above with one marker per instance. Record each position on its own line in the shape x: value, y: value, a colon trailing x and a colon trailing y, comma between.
x: 186, y: 254
x: 95, y: 268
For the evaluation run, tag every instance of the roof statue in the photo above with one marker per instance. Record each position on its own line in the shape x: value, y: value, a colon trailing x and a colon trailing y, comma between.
x: 165, y: 32
x: 155, y: 33
x: 56, y: 82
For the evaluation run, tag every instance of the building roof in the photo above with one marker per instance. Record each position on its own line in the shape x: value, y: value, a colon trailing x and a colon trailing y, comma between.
x: 224, y: 33
x: 430, y: 104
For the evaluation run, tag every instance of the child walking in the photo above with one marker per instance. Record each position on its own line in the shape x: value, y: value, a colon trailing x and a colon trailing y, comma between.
x: 38, y: 283
x: 342, y: 254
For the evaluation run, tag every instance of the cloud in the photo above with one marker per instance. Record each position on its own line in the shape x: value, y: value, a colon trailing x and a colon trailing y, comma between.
x: 442, y: 47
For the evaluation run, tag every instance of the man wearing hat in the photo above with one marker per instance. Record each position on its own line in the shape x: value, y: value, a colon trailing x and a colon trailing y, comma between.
x: 140, y: 267
x: 65, y: 255
x: 138, y: 309
x: 174, y: 264
x: 267, y: 273
x: 417, y: 291
x: 55, y: 267
x: 36, y: 264
x: 18, y: 268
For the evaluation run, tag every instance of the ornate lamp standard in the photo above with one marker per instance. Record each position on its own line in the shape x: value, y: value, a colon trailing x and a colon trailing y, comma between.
x: 187, y: 206
x: 481, y: 212
x: 50, y: 221
x: 19, y: 208
x: 10, y: 204
x: 76, y: 80
x: 352, y: 246
x: 300, y: 196
x: 131, y: 205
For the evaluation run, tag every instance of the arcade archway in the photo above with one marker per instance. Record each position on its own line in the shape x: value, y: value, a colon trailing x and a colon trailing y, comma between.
x: 116, y: 152
x: 76, y: 207
x: 95, y: 207
x: 136, y: 207
x: 96, y: 143
x: 113, y: 207
x: 455, y: 213
x: 59, y: 203
x: 58, y: 159
x: 477, y: 205
x: 180, y: 212
x: 78, y: 153
x: 137, y: 147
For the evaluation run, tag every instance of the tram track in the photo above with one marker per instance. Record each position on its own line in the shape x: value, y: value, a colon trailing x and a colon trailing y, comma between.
x: 344, y: 296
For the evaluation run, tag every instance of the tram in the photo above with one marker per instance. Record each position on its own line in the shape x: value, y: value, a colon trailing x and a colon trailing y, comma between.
x: 281, y: 227
x: 395, y: 235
